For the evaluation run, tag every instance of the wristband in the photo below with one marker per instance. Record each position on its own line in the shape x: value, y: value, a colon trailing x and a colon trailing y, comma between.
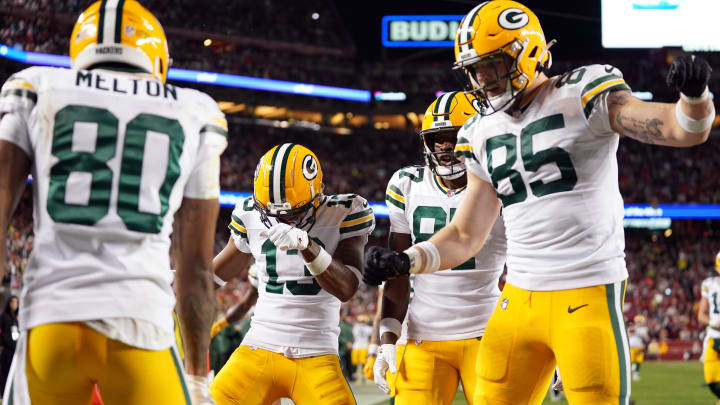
x: 355, y: 271
x: 391, y: 325
x: 424, y: 258
x: 372, y: 349
x: 696, y: 100
x: 320, y: 263
x: 218, y: 281
x: 692, y: 125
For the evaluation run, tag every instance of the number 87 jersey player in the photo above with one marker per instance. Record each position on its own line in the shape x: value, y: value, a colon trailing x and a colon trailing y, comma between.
x: 308, y: 249
x: 449, y: 309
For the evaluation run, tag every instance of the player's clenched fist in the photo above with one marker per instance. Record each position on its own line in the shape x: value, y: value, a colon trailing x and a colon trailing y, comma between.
x: 382, y: 264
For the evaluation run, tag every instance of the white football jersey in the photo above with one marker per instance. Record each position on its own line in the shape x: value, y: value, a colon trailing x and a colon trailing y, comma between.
x: 448, y: 304
x: 113, y: 154
x: 711, y: 290
x: 292, y: 309
x: 361, y: 335
x: 554, y: 168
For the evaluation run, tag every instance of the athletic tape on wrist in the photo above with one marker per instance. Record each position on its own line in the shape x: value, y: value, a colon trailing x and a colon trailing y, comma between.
x: 391, y: 325
x: 355, y: 271
x: 696, y: 100
x: 220, y: 282
x: 320, y: 263
x: 424, y: 258
x: 693, y: 125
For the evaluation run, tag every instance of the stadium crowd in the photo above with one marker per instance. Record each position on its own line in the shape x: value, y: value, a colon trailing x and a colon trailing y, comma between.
x: 311, y: 50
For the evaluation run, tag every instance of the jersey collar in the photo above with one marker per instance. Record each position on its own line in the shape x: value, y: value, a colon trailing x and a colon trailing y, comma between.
x: 447, y: 191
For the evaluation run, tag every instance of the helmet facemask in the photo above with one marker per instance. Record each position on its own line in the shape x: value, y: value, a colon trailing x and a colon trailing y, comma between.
x: 433, y: 159
x: 515, y: 80
x: 302, y: 217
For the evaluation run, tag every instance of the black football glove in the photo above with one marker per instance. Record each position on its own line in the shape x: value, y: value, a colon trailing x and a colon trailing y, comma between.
x: 689, y: 75
x: 384, y: 264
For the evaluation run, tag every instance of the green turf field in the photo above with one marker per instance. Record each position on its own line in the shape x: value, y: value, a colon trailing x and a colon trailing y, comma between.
x: 671, y: 383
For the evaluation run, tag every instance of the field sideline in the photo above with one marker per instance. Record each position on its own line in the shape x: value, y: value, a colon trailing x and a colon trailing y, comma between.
x: 661, y: 383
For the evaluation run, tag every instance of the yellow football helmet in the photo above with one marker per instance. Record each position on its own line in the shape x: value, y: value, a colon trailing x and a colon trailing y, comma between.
x: 446, y: 114
x: 717, y: 262
x: 119, y: 31
x: 288, y: 185
x: 506, y: 30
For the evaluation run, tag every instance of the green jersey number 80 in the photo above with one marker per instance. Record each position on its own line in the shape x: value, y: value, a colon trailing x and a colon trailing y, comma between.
x: 83, y: 160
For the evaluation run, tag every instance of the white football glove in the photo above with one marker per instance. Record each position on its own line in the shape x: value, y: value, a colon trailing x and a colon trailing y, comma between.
x: 286, y: 237
x: 386, y: 359
x: 199, y: 390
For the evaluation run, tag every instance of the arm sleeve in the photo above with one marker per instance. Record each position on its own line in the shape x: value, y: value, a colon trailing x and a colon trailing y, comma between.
x: 359, y: 220
x: 467, y: 151
x: 596, y: 83
x: 705, y: 289
x: 204, y: 180
x: 18, y: 98
x: 238, y: 231
x: 395, y: 201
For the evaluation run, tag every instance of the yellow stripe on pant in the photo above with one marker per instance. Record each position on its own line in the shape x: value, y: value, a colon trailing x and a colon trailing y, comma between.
x: 258, y: 377
x: 582, y: 328
x: 428, y: 373
x: 65, y: 360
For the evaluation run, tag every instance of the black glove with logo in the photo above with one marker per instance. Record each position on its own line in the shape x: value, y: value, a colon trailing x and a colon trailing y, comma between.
x: 689, y: 75
x: 384, y: 264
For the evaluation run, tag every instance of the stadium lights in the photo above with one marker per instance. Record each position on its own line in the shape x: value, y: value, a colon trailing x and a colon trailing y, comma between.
x: 390, y: 96
x: 636, y: 215
x: 218, y: 79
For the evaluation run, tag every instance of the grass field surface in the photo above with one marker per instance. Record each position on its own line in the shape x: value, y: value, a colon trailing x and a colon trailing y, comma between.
x: 661, y: 383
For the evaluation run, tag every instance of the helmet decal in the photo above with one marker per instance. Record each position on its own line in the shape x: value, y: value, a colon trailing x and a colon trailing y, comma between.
x: 513, y: 18
x: 309, y: 167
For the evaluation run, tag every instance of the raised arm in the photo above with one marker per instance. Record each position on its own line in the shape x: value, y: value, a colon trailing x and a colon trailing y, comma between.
x: 14, y: 169
x: 193, y: 239
x: 684, y: 123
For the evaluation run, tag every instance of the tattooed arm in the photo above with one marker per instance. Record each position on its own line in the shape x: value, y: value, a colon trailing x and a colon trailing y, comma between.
x: 655, y: 123
x: 193, y: 240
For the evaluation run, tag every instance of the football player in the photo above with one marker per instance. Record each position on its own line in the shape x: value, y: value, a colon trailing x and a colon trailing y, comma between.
x: 544, y: 150
x: 638, y: 338
x: 362, y: 331
x: 709, y: 314
x: 309, y: 250
x: 119, y: 157
x: 447, y: 315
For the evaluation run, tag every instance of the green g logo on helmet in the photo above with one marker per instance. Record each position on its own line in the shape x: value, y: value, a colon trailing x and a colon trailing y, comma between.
x: 513, y: 18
